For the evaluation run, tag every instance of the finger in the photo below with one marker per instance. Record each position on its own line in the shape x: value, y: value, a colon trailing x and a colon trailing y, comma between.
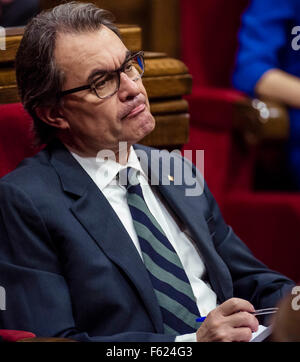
x: 242, y: 334
x: 235, y: 305
x: 243, y: 319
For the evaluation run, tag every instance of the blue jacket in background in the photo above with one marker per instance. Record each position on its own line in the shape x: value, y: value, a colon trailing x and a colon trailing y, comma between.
x: 265, y: 42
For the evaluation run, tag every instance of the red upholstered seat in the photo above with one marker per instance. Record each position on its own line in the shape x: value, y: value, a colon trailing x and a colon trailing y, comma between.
x: 269, y: 224
x: 266, y: 221
x: 14, y: 336
x: 16, y: 143
x: 16, y: 138
x: 209, y: 43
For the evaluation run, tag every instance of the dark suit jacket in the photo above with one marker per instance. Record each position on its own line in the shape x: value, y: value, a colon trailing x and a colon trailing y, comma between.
x: 70, y: 268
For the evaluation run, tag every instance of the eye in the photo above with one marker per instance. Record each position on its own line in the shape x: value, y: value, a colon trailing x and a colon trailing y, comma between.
x: 99, y: 84
x: 129, y: 67
x: 102, y: 82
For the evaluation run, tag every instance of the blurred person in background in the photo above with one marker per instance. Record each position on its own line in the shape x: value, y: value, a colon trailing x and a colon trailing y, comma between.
x: 268, y: 64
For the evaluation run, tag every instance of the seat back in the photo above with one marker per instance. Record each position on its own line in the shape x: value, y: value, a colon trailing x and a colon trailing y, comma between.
x: 266, y: 221
x: 209, y: 32
x: 16, y: 139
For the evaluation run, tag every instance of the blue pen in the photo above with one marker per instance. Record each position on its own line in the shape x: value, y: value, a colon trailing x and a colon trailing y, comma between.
x: 201, y: 319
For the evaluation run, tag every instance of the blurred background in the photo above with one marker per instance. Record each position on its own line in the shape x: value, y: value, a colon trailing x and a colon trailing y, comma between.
x: 151, y: 15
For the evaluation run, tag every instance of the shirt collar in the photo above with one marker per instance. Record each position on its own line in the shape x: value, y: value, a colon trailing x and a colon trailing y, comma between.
x: 104, y: 171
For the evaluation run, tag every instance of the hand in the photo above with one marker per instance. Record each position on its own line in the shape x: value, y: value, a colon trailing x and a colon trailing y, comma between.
x: 229, y: 322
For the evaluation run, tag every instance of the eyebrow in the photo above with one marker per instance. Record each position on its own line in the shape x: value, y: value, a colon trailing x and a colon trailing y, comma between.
x: 96, y: 72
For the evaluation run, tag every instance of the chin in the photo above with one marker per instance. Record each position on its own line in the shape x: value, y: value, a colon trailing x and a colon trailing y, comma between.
x: 148, y: 126
x: 144, y: 127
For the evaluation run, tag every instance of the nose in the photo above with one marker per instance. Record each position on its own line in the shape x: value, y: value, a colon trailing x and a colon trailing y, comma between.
x: 128, y: 88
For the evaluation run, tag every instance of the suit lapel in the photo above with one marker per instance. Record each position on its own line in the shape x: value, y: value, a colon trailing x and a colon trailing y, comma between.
x: 189, y: 212
x: 192, y: 212
x: 98, y: 218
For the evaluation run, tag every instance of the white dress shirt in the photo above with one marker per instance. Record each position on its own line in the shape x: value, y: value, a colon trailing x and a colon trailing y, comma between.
x: 104, y: 174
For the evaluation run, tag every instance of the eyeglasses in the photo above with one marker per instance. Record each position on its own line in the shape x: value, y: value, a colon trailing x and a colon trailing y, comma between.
x: 106, y: 84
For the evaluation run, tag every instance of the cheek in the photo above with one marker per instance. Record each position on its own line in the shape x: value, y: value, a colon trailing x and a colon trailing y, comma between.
x: 106, y: 120
x: 139, y: 127
x: 90, y: 120
x: 103, y: 113
x: 108, y: 112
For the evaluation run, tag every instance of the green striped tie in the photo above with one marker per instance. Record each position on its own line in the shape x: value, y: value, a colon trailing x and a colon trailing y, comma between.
x: 169, y: 280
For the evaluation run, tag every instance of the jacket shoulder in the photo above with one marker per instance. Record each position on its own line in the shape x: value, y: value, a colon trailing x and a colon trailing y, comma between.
x: 30, y: 172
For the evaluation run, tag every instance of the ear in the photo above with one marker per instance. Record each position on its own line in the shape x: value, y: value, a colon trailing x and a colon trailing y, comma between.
x: 53, y: 116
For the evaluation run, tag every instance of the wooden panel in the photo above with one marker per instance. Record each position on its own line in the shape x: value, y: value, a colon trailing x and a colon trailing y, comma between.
x: 7, y: 76
x: 9, y: 94
x: 12, y: 44
x: 165, y: 76
x: 168, y: 86
x: 169, y: 106
x: 170, y: 130
x: 158, y: 64
x: 164, y: 29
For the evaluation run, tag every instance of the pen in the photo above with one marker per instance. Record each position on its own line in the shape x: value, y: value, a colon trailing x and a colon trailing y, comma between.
x: 256, y: 312
x: 200, y: 319
x: 265, y: 311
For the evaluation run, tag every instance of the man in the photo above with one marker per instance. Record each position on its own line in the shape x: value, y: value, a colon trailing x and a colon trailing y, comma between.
x: 86, y: 256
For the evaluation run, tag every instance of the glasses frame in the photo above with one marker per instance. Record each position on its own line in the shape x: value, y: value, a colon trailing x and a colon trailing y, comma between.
x: 118, y: 71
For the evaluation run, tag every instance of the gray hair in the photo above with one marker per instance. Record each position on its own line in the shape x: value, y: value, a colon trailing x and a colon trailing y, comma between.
x: 38, y: 77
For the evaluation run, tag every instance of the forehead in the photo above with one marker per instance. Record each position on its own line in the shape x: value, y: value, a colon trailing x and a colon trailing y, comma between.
x: 79, y: 54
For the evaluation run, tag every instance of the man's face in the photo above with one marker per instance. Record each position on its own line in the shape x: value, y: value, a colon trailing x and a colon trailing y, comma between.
x: 92, y: 124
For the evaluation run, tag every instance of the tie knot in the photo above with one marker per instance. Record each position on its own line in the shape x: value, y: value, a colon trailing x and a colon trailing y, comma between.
x: 128, y: 177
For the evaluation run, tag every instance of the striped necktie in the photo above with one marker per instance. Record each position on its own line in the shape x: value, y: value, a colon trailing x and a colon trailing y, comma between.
x: 169, y: 280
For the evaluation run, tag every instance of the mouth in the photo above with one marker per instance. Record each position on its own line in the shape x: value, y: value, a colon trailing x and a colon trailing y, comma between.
x: 135, y: 111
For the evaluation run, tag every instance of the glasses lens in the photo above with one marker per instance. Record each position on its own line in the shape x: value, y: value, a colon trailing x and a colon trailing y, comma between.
x: 106, y: 85
x: 134, y: 69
